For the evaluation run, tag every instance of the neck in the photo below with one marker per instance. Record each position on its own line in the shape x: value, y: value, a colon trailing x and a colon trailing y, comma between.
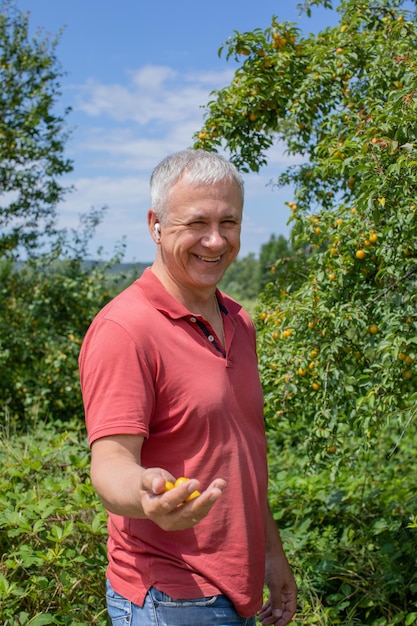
x: 200, y: 301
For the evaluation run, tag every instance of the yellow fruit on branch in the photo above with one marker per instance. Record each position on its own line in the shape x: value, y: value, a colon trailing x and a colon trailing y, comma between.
x: 278, y: 41
x: 360, y: 254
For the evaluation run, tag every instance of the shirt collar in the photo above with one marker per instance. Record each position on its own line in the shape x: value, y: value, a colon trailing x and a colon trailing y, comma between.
x: 162, y: 300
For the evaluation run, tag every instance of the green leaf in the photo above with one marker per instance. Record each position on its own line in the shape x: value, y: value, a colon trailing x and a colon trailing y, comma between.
x: 42, y: 619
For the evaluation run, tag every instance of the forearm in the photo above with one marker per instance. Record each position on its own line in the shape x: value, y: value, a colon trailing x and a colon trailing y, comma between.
x: 274, y: 547
x: 124, y: 486
x: 130, y: 490
x: 282, y: 602
x: 119, y: 485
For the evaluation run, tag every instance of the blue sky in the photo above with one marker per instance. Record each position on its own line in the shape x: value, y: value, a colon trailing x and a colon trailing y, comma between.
x: 138, y: 75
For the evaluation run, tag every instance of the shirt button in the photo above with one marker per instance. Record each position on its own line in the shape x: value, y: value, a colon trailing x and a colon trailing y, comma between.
x: 193, y: 319
x: 210, y: 338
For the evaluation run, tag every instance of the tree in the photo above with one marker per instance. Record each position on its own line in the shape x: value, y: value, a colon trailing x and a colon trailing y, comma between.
x: 346, y: 100
x: 279, y: 259
x: 241, y: 280
x: 32, y: 134
x: 248, y: 276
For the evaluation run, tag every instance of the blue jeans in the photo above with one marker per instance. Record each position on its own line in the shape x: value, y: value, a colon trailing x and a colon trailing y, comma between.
x: 161, y: 610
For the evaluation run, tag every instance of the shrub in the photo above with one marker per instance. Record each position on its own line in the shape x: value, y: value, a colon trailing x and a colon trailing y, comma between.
x: 46, y: 306
x: 348, y: 531
x: 52, y: 530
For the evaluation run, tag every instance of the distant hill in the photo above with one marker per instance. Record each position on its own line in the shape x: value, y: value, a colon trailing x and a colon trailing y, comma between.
x: 118, y: 268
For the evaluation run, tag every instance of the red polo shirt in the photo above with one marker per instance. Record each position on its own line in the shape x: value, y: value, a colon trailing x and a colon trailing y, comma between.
x: 150, y: 368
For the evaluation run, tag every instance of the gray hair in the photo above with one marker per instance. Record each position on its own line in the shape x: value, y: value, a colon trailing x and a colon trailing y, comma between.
x: 199, y: 166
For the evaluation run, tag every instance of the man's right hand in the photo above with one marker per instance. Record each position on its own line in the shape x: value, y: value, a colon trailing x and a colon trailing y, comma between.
x: 169, y: 509
x: 128, y: 489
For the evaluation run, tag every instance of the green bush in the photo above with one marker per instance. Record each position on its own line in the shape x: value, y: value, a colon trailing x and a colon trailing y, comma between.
x: 349, y: 532
x: 46, y: 306
x: 52, y: 530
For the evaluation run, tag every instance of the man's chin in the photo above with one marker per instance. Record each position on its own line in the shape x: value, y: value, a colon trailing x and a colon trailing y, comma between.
x: 208, y: 279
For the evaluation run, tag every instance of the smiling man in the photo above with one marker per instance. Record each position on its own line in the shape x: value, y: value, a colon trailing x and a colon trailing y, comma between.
x: 171, y: 389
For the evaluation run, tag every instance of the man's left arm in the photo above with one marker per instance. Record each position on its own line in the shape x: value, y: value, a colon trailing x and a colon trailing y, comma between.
x: 281, y: 605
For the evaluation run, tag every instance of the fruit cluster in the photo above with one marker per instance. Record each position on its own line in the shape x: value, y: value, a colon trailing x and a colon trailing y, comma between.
x: 170, y: 485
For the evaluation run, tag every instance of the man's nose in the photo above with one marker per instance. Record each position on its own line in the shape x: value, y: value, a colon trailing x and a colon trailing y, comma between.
x: 213, y: 237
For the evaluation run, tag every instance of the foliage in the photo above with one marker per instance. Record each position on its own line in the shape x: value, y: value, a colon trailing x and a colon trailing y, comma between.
x: 32, y: 134
x: 247, y: 276
x: 46, y: 306
x: 278, y: 257
x: 348, y: 532
x: 337, y: 336
x: 241, y: 280
x: 52, y: 530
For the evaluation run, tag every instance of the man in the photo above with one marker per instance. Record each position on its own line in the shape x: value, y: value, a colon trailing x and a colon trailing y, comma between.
x: 171, y: 389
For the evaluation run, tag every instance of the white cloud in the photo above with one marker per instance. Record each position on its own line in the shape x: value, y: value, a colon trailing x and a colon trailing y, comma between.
x: 152, y: 77
x: 123, y: 150
x: 154, y: 94
x: 127, y: 201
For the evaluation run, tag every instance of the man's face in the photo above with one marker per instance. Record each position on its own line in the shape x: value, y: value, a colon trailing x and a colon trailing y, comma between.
x: 201, y: 234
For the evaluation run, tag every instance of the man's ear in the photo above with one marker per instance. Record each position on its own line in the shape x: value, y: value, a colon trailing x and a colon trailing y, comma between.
x: 154, y: 226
